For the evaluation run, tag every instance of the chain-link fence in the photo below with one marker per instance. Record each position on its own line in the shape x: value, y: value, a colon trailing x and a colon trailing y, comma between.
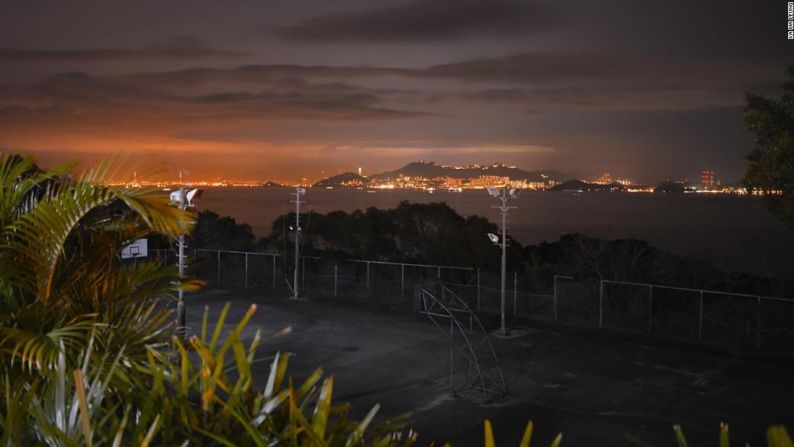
x: 238, y: 269
x: 678, y: 313
x: 667, y: 312
x: 378, y: 281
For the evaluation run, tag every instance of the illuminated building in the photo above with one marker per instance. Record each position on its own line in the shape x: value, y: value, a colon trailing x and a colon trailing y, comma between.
x: 485, y: 181
x: 707, y: 179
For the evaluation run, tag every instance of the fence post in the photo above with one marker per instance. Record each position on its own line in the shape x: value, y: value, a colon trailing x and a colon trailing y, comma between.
x: 650, y: 308
x: 336, y: 266
x: 274, y: 272
x: 758, y: 334
x: 478, y: 288
x: 555, y: 298
x: 219, y: 266
x: 601, y: 305
x: 700, y: 319
x: 367, y: 275
x: 515, y: 293
x: 402, y: 280
x: 246, y: 270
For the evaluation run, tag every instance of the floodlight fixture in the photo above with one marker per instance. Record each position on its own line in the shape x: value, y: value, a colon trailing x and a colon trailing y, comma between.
x: 494, y: 192
x: 513, y: 193
x: 193, y: 194
x: 190, y: 196
x: 494, y: 238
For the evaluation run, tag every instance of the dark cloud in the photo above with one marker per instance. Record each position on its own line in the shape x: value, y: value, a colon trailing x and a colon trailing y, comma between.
x: 605, y: 98
x: 214, y: 101
x: 79, y: 103
x: 617, y: 68
x: 529, y: 80
x: 282, y: 74
x: 422, y: 20
x: 569, y: 70
x: 646, y: 82
x: 176, y: 48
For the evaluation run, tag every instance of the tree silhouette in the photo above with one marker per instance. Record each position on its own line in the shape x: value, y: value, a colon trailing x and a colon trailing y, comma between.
x: 770, y: 165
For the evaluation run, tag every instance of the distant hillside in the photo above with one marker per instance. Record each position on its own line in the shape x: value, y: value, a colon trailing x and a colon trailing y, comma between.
x: 339, y: 180
x: 669, y: 187
x: 432, y: 170
x: 271, y: 184
x: 579, y: 185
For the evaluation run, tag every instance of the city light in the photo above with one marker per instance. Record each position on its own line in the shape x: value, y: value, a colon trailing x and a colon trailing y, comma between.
x: 709, y: 183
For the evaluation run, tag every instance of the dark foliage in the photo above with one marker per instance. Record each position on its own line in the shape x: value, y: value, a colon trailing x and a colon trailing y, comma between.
x: 637, y: 260
x: 215, y: 232
x: 424, y: 233
x: 770, y: 166
x: 435, y: 234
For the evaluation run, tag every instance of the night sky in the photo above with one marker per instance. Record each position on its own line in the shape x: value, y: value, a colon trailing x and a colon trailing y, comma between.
x: 287, y: 89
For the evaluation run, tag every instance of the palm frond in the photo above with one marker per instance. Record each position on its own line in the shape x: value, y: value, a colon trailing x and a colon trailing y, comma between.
x: 34, y: 350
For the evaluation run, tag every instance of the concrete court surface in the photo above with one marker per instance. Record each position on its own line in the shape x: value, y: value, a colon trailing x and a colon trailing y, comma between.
x: 596, y: 387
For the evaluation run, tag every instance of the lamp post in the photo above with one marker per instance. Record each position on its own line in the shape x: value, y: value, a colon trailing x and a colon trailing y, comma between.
x: 298, y: 193
x: 504, y: 195
x: 183, y: 199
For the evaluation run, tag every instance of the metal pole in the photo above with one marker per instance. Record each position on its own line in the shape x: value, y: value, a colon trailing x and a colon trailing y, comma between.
x: 515, y: 293
x: 700, y: 319
x: 367, y: 275
x: 451, y: 353
x: 555, y: 298
x: 274, y: 271
x: 478, y: 288
x: 336, y: 267
x: 180, y: 305
x: 601, y: 305
x: 439, y: 272
x: 758, y: 334
x: 246, y: 270
x: 650, y: 308
x: 504, y: 258
x: 402, y: 280
x: 297, y: 239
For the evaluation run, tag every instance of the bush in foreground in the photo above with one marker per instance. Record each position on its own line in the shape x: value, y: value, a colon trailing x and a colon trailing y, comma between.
x: 84, y: 337
x: 204, y: 396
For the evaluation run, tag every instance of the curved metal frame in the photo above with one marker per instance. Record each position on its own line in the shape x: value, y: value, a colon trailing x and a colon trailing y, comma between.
x: 485, y: 383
